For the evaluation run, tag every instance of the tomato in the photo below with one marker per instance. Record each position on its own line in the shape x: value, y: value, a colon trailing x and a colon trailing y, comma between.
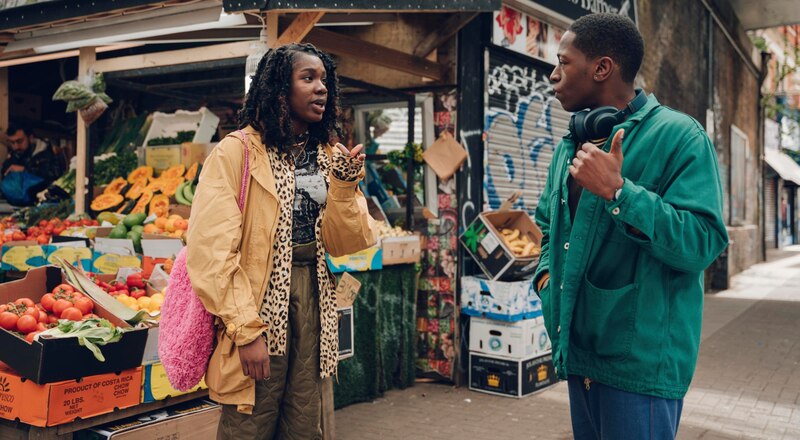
x: 42, y: 317
x: 63, y: 289
x: 42, y: 223
x: 85, y: 305
x: 43, y: 239
x: 31, y: 311
x: 120, y: 292
x: 40, y: 327
x: 26, y: 324
x: 49, y: 229
x: 71, y: 313
x: 30, y: 336
x: 18, y: 236
x: 59, y: 229
x: 91, y: 316
x: 47, y: 301
x: 77, y: 295
x: 8, y: 321
x: 60, y: 306
x: 3, y: 308
x: 52, y: 319
x: 138, y: 293
x: 27, y: 301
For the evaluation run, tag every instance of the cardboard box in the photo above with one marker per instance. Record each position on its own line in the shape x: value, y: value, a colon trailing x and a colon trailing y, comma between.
x: 156, y: 249
x: 401, y: 250
x: 510, y: 377
x: 194, y: 420
x: 368, y: 259
x: 499, y: 300
x: 53, y: 360
x: 62, y: 402
x: 75, y: 253
x: 482, y: 240
x: 346, y: 332
x: 156, y: 386
x: 511, y: 340
x: 164, y: 156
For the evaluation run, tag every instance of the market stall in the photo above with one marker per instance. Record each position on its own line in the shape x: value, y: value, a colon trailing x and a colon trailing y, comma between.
x: 142, y: 168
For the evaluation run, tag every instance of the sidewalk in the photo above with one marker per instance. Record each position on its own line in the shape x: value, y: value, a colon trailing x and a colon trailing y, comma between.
x: 747, y: 384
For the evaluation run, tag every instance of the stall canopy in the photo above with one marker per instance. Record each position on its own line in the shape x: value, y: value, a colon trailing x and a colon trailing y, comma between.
x: 784, y: 165
x: 363, y: 5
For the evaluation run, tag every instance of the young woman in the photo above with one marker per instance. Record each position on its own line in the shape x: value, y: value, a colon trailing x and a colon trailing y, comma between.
x: 262, y: 271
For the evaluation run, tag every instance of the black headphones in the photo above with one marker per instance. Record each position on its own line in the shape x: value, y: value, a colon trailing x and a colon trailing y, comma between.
x: 587, y: 125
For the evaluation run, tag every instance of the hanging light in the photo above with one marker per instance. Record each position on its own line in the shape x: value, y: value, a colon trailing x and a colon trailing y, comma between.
x: 257, y: 51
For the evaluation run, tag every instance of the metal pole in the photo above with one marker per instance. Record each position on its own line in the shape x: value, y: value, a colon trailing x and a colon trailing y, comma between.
x: 410, y: 167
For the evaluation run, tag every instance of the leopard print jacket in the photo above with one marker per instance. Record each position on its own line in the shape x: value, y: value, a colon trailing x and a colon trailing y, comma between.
x: 275, y: 310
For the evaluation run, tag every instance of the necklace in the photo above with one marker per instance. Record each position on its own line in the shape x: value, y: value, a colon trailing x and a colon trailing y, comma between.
x: 299, y: 151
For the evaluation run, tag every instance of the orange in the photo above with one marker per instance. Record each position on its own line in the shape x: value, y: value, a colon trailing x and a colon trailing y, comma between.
x: 170, y: 226
x: 150, y: 228
x: 181, y: 225
x: 175, y: 217
x: 161, y: 222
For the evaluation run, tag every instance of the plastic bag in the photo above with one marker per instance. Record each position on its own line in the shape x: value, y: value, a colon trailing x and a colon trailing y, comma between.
x: 86, y: 95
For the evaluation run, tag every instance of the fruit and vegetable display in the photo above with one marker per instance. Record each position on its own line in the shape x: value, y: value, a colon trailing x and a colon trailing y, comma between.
x: 385, y: 231
x: 519, y: 243
x: 142, y: 192
x: 91, y: 332
x: 42, y: 231
x: 26, y: 319
x: 133, y: 293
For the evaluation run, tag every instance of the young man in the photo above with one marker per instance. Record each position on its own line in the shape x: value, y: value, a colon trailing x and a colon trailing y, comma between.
x: 630, y: 222
x: 32, y: 155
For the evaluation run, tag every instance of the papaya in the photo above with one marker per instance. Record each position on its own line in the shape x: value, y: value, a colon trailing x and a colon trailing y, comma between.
x: 141, y: 204
x: 106, y: 202
x: 155, y: 185
x: 136, y: 188
x: 192, y: 172
x: 170, y: 185
x: 116, y: 186
x: 176, y: 171
x: 138, y: 173
x: 126, y: 207
x: 160, y: 205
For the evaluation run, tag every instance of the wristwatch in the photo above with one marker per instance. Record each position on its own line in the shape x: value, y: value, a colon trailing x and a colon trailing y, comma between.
x: 617, y: 193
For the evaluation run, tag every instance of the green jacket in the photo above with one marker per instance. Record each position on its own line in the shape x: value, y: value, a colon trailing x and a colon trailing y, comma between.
x: 624, y: 307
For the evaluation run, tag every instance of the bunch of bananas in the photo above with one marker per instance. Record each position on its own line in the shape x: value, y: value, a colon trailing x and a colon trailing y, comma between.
x: 519, y: 243
x: 185, y: 193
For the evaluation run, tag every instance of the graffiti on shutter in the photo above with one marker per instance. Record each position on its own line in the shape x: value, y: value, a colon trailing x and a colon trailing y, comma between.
x: 523, y: 124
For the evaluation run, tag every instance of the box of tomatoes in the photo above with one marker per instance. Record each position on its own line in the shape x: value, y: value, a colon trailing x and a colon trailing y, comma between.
x: 44, y: 293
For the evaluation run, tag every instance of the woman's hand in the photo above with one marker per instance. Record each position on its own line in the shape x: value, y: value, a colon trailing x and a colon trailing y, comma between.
x: 346, y: 165
x: 255, y: 359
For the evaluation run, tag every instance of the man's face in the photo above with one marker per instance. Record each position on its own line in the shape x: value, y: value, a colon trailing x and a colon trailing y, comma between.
x: 572, y: 77
x: 19, y: 141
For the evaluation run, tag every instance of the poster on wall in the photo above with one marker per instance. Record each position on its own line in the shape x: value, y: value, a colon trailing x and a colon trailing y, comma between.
x: 526, y: 34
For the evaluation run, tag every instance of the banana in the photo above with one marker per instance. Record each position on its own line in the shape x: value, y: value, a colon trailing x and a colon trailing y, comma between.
x: 187, y: 193
x: 528, y: 249
x: 513, y: 235
x: 506, y: 232
x: 179, y: 195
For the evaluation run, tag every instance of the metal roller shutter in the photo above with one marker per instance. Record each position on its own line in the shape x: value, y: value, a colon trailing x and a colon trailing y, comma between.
x: 523, y: 124
x: 771, y: 214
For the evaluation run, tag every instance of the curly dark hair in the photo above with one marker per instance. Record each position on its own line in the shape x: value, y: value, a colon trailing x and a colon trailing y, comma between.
x: 266, y: 106
x: 611, y: 35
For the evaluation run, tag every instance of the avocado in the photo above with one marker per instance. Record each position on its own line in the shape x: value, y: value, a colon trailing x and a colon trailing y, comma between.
x: 119, y: 231
x: 132, y: 220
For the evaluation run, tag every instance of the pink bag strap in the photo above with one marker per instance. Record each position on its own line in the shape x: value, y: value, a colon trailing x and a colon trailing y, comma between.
x: 245, y: 171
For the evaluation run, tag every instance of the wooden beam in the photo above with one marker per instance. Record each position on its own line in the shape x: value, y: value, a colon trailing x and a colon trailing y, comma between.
x: 239, y: 49
x: 86, y: 60
x: 347, y: 46
x: 438, y: 37
x: 271, y: 23
x: 300, y: 27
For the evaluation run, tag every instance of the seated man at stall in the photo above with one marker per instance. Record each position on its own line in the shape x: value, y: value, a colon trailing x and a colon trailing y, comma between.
x: 34, y: 159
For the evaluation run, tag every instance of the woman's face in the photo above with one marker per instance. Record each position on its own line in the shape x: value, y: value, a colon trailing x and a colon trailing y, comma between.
x: 308, y: 94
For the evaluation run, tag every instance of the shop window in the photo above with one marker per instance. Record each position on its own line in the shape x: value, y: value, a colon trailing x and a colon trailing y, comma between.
x: 740, y: 152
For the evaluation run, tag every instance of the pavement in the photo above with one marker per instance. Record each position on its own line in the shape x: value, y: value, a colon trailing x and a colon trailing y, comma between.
x: 746, y: 386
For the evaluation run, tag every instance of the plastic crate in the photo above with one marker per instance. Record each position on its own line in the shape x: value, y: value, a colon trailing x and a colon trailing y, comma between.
x: 203, y: 122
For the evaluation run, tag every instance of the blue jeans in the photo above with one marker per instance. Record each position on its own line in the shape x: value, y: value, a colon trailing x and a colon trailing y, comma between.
x: 606, y: 413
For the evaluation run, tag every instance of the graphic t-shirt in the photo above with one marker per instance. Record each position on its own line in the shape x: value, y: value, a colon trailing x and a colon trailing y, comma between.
x: 311, y: 192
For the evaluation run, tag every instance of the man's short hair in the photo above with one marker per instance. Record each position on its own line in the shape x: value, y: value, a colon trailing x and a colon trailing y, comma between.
x: 13, y: 127
x: 611, y: 35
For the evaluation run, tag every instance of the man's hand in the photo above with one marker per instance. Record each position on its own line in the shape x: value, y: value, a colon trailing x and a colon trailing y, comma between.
x: 598, y: 171
x: 15, y: 169
x: 255, y: 359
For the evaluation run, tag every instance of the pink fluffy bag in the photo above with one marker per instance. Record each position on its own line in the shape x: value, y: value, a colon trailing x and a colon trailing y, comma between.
x: 186, y: 334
